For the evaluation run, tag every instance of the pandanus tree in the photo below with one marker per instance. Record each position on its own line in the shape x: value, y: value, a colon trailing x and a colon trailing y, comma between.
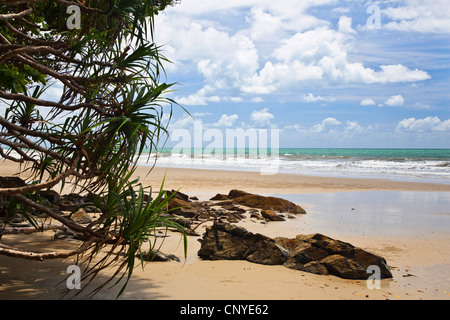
x: 88, y: 134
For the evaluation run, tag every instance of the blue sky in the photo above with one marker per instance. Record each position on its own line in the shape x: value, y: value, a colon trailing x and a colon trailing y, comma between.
x: 325, y: 73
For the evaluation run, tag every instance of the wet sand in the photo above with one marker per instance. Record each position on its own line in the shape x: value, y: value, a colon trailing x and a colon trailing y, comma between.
x: 417, y: 253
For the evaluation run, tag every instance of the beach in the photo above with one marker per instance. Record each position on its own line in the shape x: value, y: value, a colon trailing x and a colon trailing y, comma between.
x: 416, y: 252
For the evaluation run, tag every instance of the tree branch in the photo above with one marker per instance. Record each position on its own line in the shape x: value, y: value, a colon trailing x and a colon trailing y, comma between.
x: 41, y: 256
x: 44, y: 103
x: 10, y: 16
x: 30, y: 230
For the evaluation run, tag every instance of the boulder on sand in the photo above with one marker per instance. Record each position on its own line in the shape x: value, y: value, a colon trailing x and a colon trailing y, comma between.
x: 223, y: 241
x: 263, y: 202
x: 323, y: 255
x: 315, y: 253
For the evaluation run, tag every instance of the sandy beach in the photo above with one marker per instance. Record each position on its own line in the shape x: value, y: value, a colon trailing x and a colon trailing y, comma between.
x: 419, y: 259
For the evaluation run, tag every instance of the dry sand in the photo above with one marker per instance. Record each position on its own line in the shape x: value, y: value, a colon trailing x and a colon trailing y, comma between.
x: 419, y: 264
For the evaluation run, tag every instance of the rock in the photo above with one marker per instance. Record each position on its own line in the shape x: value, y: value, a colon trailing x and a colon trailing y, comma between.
x: 219, y: 196
x: 233, y: 194
x: 158, y: 256
x: 326, y: 256
x: 12, y: 182
x: 66, y: 205
x: 266, y: 203
x: 271, y: 216
x: 223, y: 241
x: 182, y: 208
x: 315, y: 253
x: 51, y: 195
x: 178, y: 195
x: 81, y: 217
x: 344, y: 267
x: 71, y: 202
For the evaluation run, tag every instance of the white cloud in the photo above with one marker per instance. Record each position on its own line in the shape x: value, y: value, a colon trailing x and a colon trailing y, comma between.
x: 257, y: 100
x: 223, y: 60
x: 368, y: 102
x: 262, y: 117
x: 202, y: 114
x: 226, y: 121
x: 424, y: 16
x: 395, y: 101
x: 326, y: 125
x: 322, y: 54
x: 345, y: 25
x: 184, y: 122
x: 430, y: 124
x: 353, y: 126
x: 303, y: 48
x: 312, y: 98
x: 200, y: 98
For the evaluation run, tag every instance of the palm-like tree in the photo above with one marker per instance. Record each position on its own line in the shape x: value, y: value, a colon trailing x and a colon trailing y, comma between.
x: 108, y: 113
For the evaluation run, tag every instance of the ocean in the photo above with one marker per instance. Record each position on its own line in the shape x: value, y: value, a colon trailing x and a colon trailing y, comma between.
x: 421, y: 165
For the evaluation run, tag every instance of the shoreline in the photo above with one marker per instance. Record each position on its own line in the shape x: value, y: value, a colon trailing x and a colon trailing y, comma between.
x: 420, y: 263
x: 217, y: 181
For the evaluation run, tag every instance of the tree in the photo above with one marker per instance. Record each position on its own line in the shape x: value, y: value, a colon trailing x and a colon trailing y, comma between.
x: 108, y: 113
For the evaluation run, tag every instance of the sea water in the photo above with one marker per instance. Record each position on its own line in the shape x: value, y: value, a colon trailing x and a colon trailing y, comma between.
x: 422, y: 165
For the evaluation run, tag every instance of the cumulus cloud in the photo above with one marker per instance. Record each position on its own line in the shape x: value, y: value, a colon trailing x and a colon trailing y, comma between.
x: 345, y: 25
x: 262, y: 117
x: 330, y: 126
x: 395, y: 101
x: 424, y: 16
x: 312, y: 98
x: 326, y: 125
x: 322, y: 54
x: 303, y: 48
x: 429, y: 124
x: 201, y: 98
x: 226, y: 121
x: 368, y: 102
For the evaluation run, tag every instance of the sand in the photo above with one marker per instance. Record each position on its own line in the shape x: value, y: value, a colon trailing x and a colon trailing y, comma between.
x: 420, y: 261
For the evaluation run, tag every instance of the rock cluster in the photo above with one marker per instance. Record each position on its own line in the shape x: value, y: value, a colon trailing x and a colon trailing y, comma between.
x: 223, y: 241
x: 323, y: 255
x: 315, y: 253
x: 233, y: 207
x: 261, y: 202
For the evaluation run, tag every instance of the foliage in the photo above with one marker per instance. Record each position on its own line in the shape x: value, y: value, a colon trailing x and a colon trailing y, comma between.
x: 108, y: 111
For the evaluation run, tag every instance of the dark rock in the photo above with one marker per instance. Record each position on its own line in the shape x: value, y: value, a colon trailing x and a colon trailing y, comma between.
x: 323, y: 255
x: 182, y: 208
x: 178, y: 195
x: 315, y: 253
x: 158, y: 256
x: 12, y: 182
x: 266, y: 203
x: 256, y: 215
x: 66, y: 205
x: 344, y: 267
x: 233, y: 194
x: 223, y: 241
x: 271, y: 216
x: 51, y: 195
x: 219, y: 197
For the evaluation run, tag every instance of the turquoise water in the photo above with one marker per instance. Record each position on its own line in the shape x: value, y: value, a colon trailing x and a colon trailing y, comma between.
x: 388, y: 154
x: 428, y: 165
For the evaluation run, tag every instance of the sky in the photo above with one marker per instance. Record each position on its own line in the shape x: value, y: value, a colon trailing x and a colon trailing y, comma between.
x: 325, y: 73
